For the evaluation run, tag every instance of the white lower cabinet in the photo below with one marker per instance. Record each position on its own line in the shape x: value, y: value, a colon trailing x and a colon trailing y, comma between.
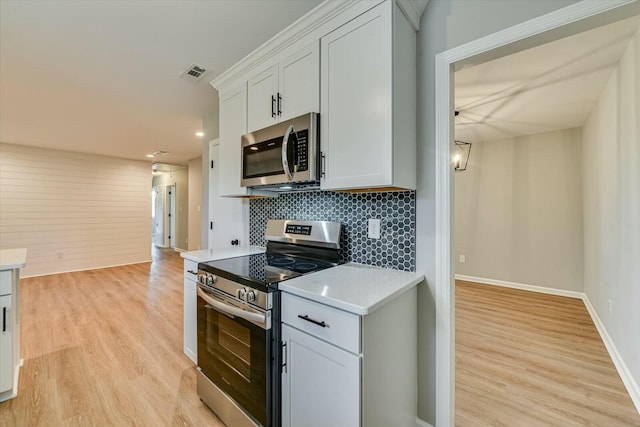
x: 341, y: 369
x: 190, y: 310
x: 320, y: 383
x: 6, y: 344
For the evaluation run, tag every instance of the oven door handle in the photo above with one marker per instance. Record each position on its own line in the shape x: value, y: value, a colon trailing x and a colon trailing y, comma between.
x: 256, y: 318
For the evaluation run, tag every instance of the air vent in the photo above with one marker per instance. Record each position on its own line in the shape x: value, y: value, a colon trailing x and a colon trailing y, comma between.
x: 194, y: 73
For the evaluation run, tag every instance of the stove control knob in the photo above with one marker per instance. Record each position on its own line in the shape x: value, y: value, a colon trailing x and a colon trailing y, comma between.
x: 211, y: 279
x: 202, y: 279
x: 251, y: 296
x: 242, y: 293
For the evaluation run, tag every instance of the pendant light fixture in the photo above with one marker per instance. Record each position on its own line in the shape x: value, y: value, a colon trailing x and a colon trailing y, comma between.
x: 461, y: 153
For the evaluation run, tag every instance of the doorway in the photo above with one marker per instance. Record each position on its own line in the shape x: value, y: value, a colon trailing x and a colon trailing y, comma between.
x: 565, y: 22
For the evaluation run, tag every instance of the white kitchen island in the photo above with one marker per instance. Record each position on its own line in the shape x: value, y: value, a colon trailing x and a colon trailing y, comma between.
x: 350, y: 347
x: 11, y: 261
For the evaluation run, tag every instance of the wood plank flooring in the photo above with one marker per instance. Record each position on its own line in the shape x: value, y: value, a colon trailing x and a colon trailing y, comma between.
x: 104, y: 347
x: 530, y: 359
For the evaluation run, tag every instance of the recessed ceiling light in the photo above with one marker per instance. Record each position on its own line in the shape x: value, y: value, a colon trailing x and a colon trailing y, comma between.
x: 200, y: 134
x: 150, y: 155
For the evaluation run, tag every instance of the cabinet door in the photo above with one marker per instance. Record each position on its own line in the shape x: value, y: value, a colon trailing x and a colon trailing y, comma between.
x: 356, y: 102
x: 190, y: 311
x: 233, y: 124
x: 227, y: 215
x: 299, y: 86
x: 6, y: 344
x: 262, y: 90
x: 320, y: 383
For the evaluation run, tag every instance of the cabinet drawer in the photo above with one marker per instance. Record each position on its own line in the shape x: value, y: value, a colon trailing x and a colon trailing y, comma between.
x: 191, y: 270
x: 5, y: 282
x: 330, y: 324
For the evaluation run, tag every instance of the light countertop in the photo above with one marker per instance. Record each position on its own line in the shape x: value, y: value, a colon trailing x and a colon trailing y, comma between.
x: 216, y: 254
x: 356, y: 288
x: 11, y: 259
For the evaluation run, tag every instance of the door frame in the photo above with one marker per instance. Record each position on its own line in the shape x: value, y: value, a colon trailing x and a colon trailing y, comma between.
x: 555, y: 25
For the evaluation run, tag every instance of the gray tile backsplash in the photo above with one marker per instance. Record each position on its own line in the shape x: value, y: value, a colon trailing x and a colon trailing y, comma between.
x: 396, y: 247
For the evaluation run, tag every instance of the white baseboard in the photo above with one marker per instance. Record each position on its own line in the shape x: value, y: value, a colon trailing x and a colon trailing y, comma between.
x: 627, y: 379
x: 632, y: 386
x: 522, y: 286
x: 421, y: 423
x: 177, y: 249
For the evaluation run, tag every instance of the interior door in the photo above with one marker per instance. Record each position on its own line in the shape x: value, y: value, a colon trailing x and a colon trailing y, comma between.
x: 171, y: 194
x: 159, y: 218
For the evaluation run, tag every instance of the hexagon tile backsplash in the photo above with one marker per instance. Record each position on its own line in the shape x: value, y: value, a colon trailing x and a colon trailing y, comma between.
x: 396, y: 247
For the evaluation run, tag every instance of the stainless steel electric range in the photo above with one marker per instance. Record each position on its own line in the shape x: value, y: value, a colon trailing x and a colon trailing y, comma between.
x: 239, y: 352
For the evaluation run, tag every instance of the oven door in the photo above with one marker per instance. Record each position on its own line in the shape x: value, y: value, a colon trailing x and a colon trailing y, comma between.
x: 234, y: 350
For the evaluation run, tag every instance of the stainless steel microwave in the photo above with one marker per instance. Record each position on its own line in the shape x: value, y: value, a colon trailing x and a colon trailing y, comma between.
x: 284, y: 156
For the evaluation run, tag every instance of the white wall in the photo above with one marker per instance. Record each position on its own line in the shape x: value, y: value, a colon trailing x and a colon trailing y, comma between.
x: 73, y: 211
x: 611, y: 168
x: 195, y: 204
x: 518, y: 209
x: 444, y: 25
x: 180, y: 178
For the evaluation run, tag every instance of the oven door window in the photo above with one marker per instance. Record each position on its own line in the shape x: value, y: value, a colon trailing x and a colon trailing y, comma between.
x: 233, y: 353
x: 262, y: 159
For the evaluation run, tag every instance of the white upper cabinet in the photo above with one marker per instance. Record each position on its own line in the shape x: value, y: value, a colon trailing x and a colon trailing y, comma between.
x: 285, y: 90
x: 262, y: 93
x: 300, y: 83
x: 233, y: 124
x: 368, y: 107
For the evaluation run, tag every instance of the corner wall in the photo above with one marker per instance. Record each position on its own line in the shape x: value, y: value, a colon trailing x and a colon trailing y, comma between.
x: 73, y: 211
x: 611, y: 138
x: 518, y: 210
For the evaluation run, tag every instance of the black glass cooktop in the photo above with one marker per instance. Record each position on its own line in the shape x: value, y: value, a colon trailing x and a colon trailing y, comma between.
x: 262, y: 270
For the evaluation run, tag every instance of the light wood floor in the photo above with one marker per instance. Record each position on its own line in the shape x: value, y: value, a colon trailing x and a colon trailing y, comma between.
x: 104, y: 347
x: 529, y: 359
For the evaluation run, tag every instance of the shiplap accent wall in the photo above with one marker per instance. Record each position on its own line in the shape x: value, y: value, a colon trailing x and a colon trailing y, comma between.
x: 73, y: 211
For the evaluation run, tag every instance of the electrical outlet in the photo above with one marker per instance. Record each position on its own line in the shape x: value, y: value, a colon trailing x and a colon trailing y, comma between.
x: 463, y: 259
x: 374, y: 228
x: 60, y: 255
x: 610, y: 308
x: 198, y: 208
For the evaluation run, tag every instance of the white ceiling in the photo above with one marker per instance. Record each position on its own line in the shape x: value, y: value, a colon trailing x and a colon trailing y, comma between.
x: 103, y: 76
x: 549, y: 87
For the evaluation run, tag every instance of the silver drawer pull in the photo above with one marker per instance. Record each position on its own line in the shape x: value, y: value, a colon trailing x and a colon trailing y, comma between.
x: 195, y: 273
x: 315, y: 322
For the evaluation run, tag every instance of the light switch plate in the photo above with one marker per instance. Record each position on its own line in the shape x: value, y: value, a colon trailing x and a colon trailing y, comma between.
x: 374, y: 228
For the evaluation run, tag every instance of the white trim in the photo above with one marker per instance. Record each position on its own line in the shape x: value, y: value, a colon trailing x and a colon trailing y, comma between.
x: 314, y: 19
x: 422, y: 423
x: 522, y: 286
x: 87, y: 269
x: 627, y: 379
x: 177, y: 249
x: 551, y: 26
x: 412, y: 10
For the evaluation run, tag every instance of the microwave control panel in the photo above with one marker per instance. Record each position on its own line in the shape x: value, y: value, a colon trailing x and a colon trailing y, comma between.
x: 302, y: 163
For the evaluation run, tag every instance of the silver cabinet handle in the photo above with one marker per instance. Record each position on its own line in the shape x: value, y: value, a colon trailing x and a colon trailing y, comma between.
x: 195, y: 273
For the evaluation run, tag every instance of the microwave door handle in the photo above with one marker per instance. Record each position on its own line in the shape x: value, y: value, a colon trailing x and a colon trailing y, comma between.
x: 259, y: 319
x: 285, y: 145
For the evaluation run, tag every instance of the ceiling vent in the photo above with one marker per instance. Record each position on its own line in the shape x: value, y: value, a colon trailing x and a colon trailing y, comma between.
x: 194, y: 73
